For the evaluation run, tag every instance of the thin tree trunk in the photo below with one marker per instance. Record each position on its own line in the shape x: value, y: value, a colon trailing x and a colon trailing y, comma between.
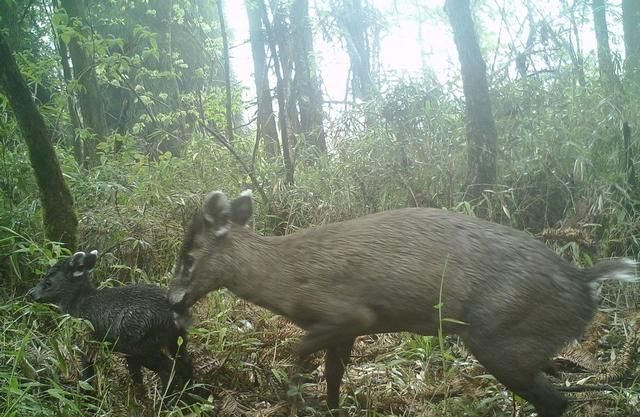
x: 281, y: 36
x: 628, y: 159
x: 307, y: 84
x: 481, y: 129
x: 523, y: 59
x: 424, y: 66
x: 631, y: 29
x: 357, y: 48
x: 576, y: 52
x: 89, y: 97
x: 163, y: 25
x: 281, y: 91
x: 267, y: 130
x: 76, y: 142
x: 227, y: 72
x: 59, y: 218
x: 605, y: 64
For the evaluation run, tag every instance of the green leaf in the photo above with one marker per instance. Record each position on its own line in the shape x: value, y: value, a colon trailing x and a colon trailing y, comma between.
x: 84, y: 385
x: 65, y: 37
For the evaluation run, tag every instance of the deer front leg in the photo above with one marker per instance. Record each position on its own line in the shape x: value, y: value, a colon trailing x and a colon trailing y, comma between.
x: 337, y: 335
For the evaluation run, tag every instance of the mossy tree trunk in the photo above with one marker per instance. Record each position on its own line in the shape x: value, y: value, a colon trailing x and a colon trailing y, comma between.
x: 481, y: 129
x: 59, y: 217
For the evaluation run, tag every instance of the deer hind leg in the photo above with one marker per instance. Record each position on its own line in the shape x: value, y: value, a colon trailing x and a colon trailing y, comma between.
x: 534, y: 388
x: 336, y: 360
x: 519, y: 365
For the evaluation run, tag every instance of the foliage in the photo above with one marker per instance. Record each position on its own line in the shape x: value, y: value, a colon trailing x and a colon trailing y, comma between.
x: 562, y: 169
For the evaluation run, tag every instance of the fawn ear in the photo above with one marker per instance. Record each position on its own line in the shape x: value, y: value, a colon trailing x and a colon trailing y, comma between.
x: 81, y: 263
x: 216, y: 211
x: 241, y: 208
x: 90, y: 260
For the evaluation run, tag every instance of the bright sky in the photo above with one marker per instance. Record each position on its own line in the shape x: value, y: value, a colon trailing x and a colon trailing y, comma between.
x: 399, y: 46
x: 400, y: 49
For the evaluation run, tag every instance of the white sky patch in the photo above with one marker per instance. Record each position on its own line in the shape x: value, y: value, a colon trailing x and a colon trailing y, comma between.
x: 402, y: 53
x: 399, y: 48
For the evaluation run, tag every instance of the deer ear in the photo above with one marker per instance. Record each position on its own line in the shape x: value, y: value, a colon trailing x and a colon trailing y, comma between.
x: 216, y: 212
x: 241, y: 208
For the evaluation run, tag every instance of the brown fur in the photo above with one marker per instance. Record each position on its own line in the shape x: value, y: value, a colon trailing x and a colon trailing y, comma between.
x: 518, y: 301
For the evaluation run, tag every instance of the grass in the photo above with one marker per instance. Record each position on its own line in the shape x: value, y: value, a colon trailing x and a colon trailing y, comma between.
x: 243, y: 357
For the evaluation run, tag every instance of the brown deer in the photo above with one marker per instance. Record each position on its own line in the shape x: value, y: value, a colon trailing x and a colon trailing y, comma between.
x: 512, y: 300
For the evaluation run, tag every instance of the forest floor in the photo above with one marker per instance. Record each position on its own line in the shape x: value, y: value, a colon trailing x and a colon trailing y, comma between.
x: 244, y: 359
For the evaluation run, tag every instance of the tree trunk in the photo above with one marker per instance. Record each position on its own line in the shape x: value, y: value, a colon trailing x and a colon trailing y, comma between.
x: 89, y: 97
x: 307, y: 84
x: 10, y: 22
x: 605, y: 64
x: 355, y: 32
x: 267, y: 130
x: 281, y: 95
x: 75, y: 141
x: 628, y: 159
x: 280, y: 34
x: 227, y: 72
x: 631, y: 29
x: 59, y: 218
x: 162, y: 23
x: 13, y: 21
x: 575, y: 52
x: 481, y: 129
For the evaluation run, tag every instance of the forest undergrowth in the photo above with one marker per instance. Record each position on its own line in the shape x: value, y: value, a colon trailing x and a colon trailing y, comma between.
x: 135, y: 212
x: 561, y: 178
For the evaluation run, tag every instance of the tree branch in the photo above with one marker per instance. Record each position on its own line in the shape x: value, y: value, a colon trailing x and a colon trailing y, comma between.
x: 224, y: 142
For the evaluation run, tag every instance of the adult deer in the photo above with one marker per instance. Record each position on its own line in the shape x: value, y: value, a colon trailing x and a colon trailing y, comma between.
x: 512, y: 300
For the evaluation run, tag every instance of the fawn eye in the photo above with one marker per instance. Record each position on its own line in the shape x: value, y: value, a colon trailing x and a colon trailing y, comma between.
x: 188, y: 262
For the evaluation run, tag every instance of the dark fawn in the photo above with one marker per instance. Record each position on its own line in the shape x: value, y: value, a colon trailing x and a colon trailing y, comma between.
x: 136, y: 319
x: 513, y: 301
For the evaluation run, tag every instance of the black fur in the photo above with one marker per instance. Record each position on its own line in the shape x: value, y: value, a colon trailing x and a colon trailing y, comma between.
x: 135, y: 319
